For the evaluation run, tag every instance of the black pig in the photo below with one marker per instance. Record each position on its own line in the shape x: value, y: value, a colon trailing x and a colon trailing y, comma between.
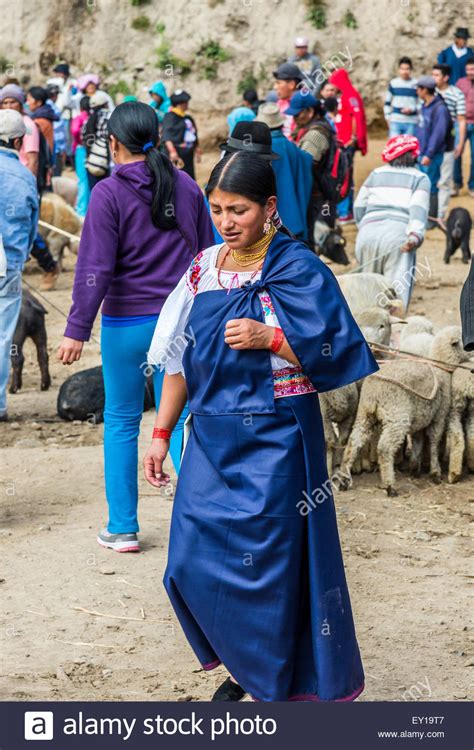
x: 458, y: 230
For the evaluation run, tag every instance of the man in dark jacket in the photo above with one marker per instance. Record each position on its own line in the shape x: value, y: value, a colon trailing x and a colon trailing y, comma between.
x: 180, y: 133
x: 435, y: 136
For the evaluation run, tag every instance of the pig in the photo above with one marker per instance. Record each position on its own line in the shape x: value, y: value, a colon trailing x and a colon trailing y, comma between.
x: 82, y: 396
x: 458, y: 230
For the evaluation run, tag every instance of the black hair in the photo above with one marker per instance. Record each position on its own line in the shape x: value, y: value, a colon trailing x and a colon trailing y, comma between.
x: 445, y: 69
x: 135, y: 125
x: 39, y: 94
x: 405, y: 61
x: 84, y: 104
x: 470, y: 60
x: 250, y: 96
x: 245, y: 174
x: 9, y: 144
x: 405, y: 160
x: 331, y: 104
x: 323, y: 83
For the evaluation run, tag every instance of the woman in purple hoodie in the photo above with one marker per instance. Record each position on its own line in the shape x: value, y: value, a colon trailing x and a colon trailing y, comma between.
x: 144, y: 225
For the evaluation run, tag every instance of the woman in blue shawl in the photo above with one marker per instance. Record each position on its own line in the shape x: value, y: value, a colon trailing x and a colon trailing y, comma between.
x: 160, y: 100
x: 255, y: 328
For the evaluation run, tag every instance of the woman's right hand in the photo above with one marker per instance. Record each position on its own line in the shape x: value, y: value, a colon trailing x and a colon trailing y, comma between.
x: 70, y: 351
x: 153, y: 463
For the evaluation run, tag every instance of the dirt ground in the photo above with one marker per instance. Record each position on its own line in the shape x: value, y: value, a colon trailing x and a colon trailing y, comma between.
x: 80, y: 622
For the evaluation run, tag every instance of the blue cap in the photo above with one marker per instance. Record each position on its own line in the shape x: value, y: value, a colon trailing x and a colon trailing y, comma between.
x: 301, y: 101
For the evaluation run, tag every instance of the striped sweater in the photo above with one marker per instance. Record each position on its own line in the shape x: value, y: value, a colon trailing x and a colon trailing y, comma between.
x: 397, y: 194
x: 401, y: 94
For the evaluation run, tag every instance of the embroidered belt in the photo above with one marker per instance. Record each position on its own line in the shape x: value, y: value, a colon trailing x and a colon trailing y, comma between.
x: 291, y: 381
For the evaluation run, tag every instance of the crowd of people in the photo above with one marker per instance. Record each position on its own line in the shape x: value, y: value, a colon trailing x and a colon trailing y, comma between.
x: 254, y: 344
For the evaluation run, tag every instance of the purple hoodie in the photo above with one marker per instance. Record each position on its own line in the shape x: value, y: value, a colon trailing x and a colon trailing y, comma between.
x: 123, y: 259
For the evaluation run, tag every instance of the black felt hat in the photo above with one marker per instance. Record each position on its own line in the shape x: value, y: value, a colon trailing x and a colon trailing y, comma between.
x: 253, y: 138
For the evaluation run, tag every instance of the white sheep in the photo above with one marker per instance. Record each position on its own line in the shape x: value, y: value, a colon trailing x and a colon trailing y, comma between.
x: 339, y: 407
x: 364, y: 290
x: 405, y: 398
x: 417, y: 335
x: 460, y: 433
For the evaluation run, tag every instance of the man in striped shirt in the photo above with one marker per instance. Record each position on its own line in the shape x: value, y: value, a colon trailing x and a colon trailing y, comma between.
x: 456, y: 104
x: 401, y: 102
x: 391, y: 212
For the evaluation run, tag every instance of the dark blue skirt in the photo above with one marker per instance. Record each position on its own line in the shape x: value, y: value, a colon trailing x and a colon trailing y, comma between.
x: 255, y: 571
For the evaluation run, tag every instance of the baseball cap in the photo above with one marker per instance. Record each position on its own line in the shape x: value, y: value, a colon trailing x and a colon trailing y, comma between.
x: 301, y: 41
x: 288, y: 72
x: 11, y: 125
x: 300, y: 101
x: 98, y: 99
x: 426, y: 82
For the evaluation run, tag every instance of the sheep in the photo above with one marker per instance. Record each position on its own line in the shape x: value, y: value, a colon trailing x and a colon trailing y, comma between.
x: 66, y: 187
x: 460, y: 433
x: 405, y: 398
x: 364, y: 290
x: 55, y: 211
x: 417, y: 335
x: 340, y: 406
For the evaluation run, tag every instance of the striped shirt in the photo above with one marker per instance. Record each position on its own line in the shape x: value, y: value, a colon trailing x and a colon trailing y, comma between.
x: 455, y: 101
x: 401, y: 94
x: 395, y: 193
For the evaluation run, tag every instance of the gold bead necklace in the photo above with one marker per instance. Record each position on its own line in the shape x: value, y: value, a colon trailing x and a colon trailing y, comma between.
x: 260, y: 247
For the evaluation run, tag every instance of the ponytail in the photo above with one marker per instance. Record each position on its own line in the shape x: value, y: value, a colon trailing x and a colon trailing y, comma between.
x: 135, y: 125
x: 163, y: 213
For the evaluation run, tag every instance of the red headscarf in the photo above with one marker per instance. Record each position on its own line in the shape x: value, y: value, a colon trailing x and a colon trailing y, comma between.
x: 351, y: 107
x: 400, y: 144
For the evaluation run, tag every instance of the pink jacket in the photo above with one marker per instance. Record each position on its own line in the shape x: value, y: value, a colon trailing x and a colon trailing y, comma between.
x: 467, y: 88
x: 76, y: 125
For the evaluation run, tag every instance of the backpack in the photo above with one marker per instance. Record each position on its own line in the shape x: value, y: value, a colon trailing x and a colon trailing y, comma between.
x: 97, y: 162
x: 332, y: 174
x: 45, y: 163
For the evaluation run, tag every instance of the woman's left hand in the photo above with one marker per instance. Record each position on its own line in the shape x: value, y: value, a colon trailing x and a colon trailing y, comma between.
x: 245, y: 333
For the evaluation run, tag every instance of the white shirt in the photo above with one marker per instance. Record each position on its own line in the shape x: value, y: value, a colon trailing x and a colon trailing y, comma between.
x: 170, y: 338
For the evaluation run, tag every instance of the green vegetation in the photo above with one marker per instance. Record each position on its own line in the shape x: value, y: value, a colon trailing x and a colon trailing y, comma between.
x: 4, y: 64
x: 160, y: 28
x: 317, y: 13
x: 141, y: 23
x: 121, y: 87
x: 137, y: 3
x: 166, y: 59
x: 248, y: 81
x: 350, y: 20
x: 209, y: 55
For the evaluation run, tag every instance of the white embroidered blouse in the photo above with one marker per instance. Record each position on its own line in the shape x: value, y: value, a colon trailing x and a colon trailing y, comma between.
x: 170, y: 339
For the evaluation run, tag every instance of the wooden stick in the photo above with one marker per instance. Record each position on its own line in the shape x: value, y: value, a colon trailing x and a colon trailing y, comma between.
x: 80, y: 643
x: 114, y: 617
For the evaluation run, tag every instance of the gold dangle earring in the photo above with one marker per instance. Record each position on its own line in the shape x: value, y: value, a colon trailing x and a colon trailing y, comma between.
x: 267, y: 226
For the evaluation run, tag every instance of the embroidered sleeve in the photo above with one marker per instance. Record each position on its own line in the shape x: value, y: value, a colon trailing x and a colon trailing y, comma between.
x: 170, y: 340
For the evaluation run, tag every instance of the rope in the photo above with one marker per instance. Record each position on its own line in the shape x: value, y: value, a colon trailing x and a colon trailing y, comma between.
x: 51, y: 304
x: 58, y: 231
x: 418, y: 357
x: 405, y: 387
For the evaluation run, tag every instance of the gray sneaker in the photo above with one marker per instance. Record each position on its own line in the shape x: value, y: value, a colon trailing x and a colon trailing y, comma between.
x: 119, y: 542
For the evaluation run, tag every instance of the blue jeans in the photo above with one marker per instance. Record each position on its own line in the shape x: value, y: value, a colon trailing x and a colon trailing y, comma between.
x: 401, y: 128
x: 124, y: 365
x: 10, y: 303
x: 83, y: 192
x: 433, y: 170
x: 458, y: 179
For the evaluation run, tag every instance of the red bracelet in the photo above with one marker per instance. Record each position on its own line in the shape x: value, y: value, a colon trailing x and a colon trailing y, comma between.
x: 159, y: 432
x: 277, y: 341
